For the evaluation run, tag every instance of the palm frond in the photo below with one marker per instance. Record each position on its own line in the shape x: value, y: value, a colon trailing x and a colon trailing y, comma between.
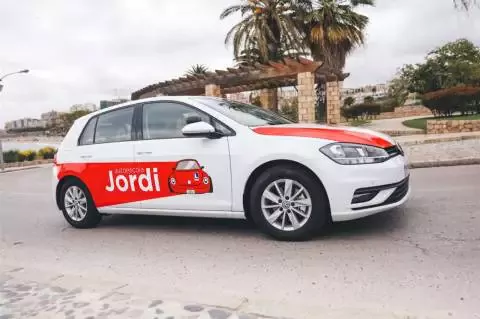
x: 230, y: 10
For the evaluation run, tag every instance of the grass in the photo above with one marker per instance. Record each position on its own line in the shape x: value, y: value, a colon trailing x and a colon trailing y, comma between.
x: 421, y: 123
x: 359, y: 122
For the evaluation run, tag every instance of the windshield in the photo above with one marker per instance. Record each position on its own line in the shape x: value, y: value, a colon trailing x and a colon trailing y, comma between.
x: 245, y: 114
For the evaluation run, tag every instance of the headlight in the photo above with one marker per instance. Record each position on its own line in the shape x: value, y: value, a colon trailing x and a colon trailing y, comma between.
x: 352, y: 154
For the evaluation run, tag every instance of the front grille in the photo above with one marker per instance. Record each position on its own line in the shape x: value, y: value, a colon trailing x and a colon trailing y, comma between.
x: 401, y: 190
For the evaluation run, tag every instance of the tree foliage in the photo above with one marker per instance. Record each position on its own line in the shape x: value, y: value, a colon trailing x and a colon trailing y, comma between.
x: 456, y: 63
x: 349, y: 101
x: 197, y: 69
x: 271, y: 29
x: 267, y: 28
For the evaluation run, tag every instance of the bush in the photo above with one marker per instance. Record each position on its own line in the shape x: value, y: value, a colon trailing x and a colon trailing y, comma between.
x: 363, y: 111
x: 11, y: 156
x: 28, y: 155
x: 445, y: 102
x: 47, y: 152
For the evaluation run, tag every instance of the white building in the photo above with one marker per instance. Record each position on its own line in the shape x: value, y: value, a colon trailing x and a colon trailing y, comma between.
x: 25, y: 124
x: 359, y: 94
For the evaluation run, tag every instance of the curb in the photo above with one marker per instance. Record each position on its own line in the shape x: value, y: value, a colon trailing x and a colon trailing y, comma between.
x: 444, y: 163
x: 441, y: 140
x: 17, y: 169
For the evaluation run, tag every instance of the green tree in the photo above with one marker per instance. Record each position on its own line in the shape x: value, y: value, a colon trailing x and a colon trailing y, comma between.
x: 67, y: 120
x: 197, y: 69
x: 398, y: 91
x: 333, y: 29
x: 368, y: 99
x: 265, y: 27
x: 455, y: 63
x: 349, y: 101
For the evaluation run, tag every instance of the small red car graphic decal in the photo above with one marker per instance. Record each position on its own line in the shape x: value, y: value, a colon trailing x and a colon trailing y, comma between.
x: 188, y: 177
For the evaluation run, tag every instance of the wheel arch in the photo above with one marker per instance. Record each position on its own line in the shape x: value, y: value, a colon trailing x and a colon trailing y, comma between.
x: 60, y: 184
x: 267, y: 165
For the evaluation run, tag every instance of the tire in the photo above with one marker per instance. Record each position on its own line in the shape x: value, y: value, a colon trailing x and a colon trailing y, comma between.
x: 290, y: 224
x: 86, y: 214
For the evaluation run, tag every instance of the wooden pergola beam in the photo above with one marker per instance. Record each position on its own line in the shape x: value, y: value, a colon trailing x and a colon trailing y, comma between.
x: 257, y: 76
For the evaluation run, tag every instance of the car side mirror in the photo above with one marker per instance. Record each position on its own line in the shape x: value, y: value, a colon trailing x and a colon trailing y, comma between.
x: 199, y: 129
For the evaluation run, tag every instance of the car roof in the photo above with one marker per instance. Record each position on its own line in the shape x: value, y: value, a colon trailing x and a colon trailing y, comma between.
x: 184, y: 98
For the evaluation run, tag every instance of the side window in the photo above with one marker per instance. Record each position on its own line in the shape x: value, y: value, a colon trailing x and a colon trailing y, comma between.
x: 115, y: 126
x: 88, y: 132
x: 166, y: 119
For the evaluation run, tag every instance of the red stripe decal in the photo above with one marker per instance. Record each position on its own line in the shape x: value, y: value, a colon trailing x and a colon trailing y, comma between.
x: 337, y: 135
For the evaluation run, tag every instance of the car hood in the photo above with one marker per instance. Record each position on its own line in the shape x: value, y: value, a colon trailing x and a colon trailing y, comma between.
x: 326, y: 132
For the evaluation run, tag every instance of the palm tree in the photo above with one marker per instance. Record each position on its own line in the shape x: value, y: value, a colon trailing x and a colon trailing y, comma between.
x: 465, y: 4
x: 266, y: 27
x: 333, y: 29
x: 197, y: 69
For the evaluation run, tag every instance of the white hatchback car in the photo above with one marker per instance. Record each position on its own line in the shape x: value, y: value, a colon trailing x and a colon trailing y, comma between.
x: 210, y: 157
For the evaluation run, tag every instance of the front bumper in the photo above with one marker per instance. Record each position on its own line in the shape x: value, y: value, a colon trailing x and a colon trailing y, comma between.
x: 356, y: 191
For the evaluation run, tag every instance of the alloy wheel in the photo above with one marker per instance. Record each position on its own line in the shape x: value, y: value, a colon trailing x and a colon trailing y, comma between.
x: 75, y: 202
x: 286, y: 204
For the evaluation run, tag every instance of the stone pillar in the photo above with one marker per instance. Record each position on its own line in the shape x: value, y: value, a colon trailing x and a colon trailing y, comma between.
x: 213, y: 90
x: 333, y: 101
x: 269, y: 99
x: 306, y: 97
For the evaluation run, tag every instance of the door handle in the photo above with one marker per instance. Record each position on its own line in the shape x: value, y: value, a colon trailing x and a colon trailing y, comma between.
x: 85, y: 156
x: 144, y: 153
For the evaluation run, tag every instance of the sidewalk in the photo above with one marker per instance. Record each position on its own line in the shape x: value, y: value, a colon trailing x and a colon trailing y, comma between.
x: 393, y: 124
x: 436, y: 138
x: 23, y: 168
x: 65, y: 297
x: 447, y: 153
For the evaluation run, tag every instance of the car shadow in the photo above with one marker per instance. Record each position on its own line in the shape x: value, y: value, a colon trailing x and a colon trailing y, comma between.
x: 379, y: 224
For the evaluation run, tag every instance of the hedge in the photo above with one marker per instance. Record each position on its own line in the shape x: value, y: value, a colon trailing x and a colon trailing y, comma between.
x: 13, y: 156
x: 362, y: 110
x: 446, y: 102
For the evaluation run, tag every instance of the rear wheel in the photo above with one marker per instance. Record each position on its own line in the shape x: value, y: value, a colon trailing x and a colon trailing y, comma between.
x: 77, y: 205
x: 287, y: 203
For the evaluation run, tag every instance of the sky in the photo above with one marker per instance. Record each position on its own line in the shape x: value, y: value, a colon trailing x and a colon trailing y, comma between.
x: 82, y: 51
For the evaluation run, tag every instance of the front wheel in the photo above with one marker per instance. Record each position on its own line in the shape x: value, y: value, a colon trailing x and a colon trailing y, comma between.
x: 289, y: 204
x: 77, y: 205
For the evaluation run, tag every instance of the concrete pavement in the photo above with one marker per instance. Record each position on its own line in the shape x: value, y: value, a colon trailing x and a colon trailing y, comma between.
x: 419, y: 261
x: 393, y: 124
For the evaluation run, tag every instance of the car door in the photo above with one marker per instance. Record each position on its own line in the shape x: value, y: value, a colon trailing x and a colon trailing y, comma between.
x: 187, y: 161
x: 105, y: 156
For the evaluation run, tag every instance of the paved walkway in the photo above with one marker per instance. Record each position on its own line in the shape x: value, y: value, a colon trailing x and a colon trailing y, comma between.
x: 392, y: 124
x: 443, y: 152
x: 33, y: 299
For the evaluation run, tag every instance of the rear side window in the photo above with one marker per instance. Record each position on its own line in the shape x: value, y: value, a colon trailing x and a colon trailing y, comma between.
x: 88, y: 133
x: 115, y: 126
x: 166, y: 119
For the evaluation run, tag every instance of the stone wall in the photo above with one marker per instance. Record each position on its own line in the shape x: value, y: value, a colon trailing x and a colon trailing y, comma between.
x: 405, y: 111
x: 452, y: 126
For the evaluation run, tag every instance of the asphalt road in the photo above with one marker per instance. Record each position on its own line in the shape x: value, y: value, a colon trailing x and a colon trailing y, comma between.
x: 422, y: 260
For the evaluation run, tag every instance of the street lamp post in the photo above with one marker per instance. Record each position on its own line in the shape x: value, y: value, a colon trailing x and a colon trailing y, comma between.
x: 2, y: 162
